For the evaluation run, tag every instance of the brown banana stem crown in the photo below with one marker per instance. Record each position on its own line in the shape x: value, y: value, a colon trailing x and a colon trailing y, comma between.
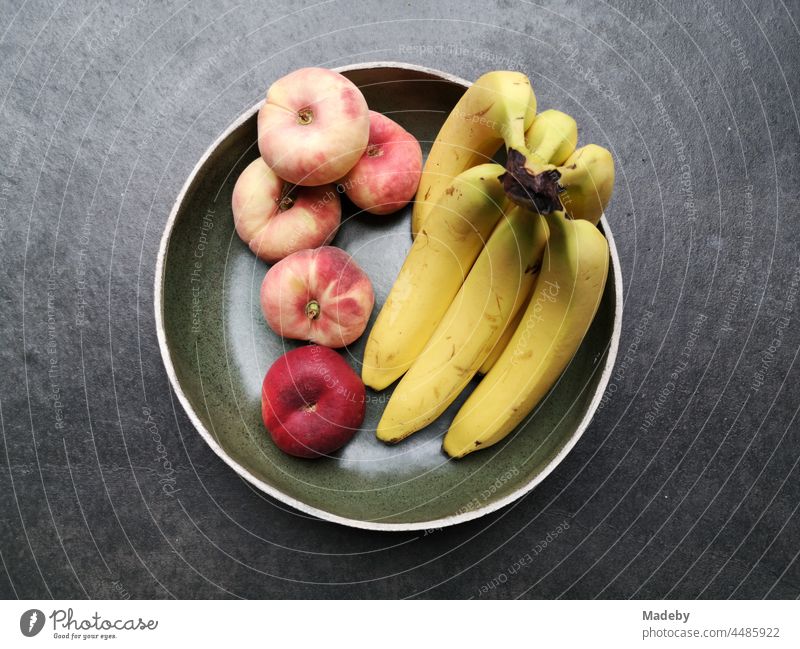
x: 538, y: 192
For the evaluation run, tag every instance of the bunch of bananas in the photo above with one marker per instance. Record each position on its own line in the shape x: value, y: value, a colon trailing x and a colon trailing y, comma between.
x: 505, y: 273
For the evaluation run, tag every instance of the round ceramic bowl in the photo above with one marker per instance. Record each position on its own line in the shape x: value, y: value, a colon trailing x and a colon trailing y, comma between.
x: 217, y: 347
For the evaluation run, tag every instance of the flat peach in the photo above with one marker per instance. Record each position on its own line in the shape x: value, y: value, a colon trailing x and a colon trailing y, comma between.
x: 313, y: 127
x: 275, y: 219
x: 385, y: 179
x: 319, y: 295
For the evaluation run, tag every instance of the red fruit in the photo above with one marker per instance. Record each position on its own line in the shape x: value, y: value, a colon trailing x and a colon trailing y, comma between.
x: 312, y: 402
x: 386, y: 176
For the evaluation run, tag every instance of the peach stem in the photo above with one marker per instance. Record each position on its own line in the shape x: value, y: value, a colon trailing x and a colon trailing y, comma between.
x: 312, y: 310
x: 305, y: 116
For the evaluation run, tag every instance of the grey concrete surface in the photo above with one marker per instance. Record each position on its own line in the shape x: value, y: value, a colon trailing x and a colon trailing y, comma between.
x: 686, y: 485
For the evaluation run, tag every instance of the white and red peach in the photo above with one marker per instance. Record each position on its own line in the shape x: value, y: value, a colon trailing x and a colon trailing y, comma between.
x: 276, y: 219
x: 385, y: 179
x: 312, y: 402
x: 313, y: 127
x: 319, y: 295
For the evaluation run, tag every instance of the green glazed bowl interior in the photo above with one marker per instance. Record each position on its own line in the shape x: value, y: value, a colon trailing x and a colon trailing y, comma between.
x: 217, y: 347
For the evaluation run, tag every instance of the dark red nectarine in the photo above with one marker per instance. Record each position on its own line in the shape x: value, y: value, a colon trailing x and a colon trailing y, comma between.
x: 312, y: 402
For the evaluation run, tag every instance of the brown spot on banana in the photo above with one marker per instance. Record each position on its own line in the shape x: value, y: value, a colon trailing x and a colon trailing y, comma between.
x: 533, y: 268
x: 479, y: 113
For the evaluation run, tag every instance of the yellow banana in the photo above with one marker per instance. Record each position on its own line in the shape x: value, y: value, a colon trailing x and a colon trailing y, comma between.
x: 439, y: 260
x: 490, y: 297
x: 502, y: 342
x: 587, y: 180
x: 565, y: 299
x: 498, y: 108
x: 552, y: 137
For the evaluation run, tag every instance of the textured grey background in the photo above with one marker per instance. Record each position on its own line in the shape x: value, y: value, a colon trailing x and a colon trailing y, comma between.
x: 684, y: 485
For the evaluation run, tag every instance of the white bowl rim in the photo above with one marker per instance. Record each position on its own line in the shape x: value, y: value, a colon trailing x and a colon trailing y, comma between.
x: 158, y: 298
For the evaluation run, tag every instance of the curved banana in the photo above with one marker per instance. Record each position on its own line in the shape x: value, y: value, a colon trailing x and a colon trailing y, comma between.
x: 565, y: 299
x: 492, y: 294
x: 498, y: 108
x: 587, y: 181
x: 439, y: 260
x: 552, y: 137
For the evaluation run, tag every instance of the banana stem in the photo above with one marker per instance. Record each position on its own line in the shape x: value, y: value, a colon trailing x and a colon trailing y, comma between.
x: 534, y: 191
